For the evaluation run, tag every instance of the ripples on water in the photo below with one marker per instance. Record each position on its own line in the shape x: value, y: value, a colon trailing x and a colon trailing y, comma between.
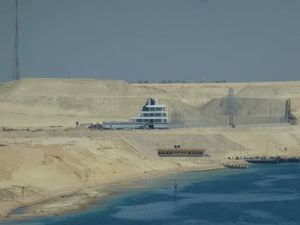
x: 265, y: 194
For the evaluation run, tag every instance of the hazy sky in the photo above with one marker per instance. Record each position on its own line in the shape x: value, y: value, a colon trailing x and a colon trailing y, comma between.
x: 234, y: 40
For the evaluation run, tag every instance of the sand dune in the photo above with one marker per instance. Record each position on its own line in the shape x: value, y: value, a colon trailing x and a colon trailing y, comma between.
x: 39, y: 162
x: 46, y: 102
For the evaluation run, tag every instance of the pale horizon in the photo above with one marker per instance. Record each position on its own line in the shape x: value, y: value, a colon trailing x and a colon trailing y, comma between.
x: 132, y: 40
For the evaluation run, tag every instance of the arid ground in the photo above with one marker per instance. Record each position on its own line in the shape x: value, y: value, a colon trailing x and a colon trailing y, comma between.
x: 52, y: 166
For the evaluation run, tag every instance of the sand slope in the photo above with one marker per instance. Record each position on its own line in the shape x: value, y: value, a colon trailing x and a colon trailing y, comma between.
x: 48, y: 102
x: 39, y: 162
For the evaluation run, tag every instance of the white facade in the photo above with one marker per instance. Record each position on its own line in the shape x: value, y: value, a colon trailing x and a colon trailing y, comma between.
x: 152, y: 112
x: 152, y: 115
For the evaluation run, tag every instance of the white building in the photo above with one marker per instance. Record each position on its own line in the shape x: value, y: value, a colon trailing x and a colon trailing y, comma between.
x: 153, y: 115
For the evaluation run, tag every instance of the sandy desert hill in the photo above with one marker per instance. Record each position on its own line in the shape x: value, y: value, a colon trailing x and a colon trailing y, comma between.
x: 54, y: 102
x: 56, y: 167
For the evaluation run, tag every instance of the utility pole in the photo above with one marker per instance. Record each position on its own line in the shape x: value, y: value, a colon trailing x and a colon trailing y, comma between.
x: 17, y: 68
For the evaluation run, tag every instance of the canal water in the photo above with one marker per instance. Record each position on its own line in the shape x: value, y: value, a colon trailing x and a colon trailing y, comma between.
x: 262, y: 194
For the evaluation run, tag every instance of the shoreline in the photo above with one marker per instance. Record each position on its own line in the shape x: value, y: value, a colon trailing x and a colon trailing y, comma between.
x: 67, y: 171
x: 83, y: 199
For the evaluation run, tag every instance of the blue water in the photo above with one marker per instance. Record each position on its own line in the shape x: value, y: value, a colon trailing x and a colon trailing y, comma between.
x: 263, y: 194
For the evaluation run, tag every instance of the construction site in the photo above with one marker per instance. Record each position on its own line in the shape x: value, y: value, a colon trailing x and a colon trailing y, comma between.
x: 230, y: 111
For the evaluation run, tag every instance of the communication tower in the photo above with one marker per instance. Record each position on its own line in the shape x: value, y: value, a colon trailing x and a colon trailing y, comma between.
x: 16, y: 74
x: 231, y: 105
